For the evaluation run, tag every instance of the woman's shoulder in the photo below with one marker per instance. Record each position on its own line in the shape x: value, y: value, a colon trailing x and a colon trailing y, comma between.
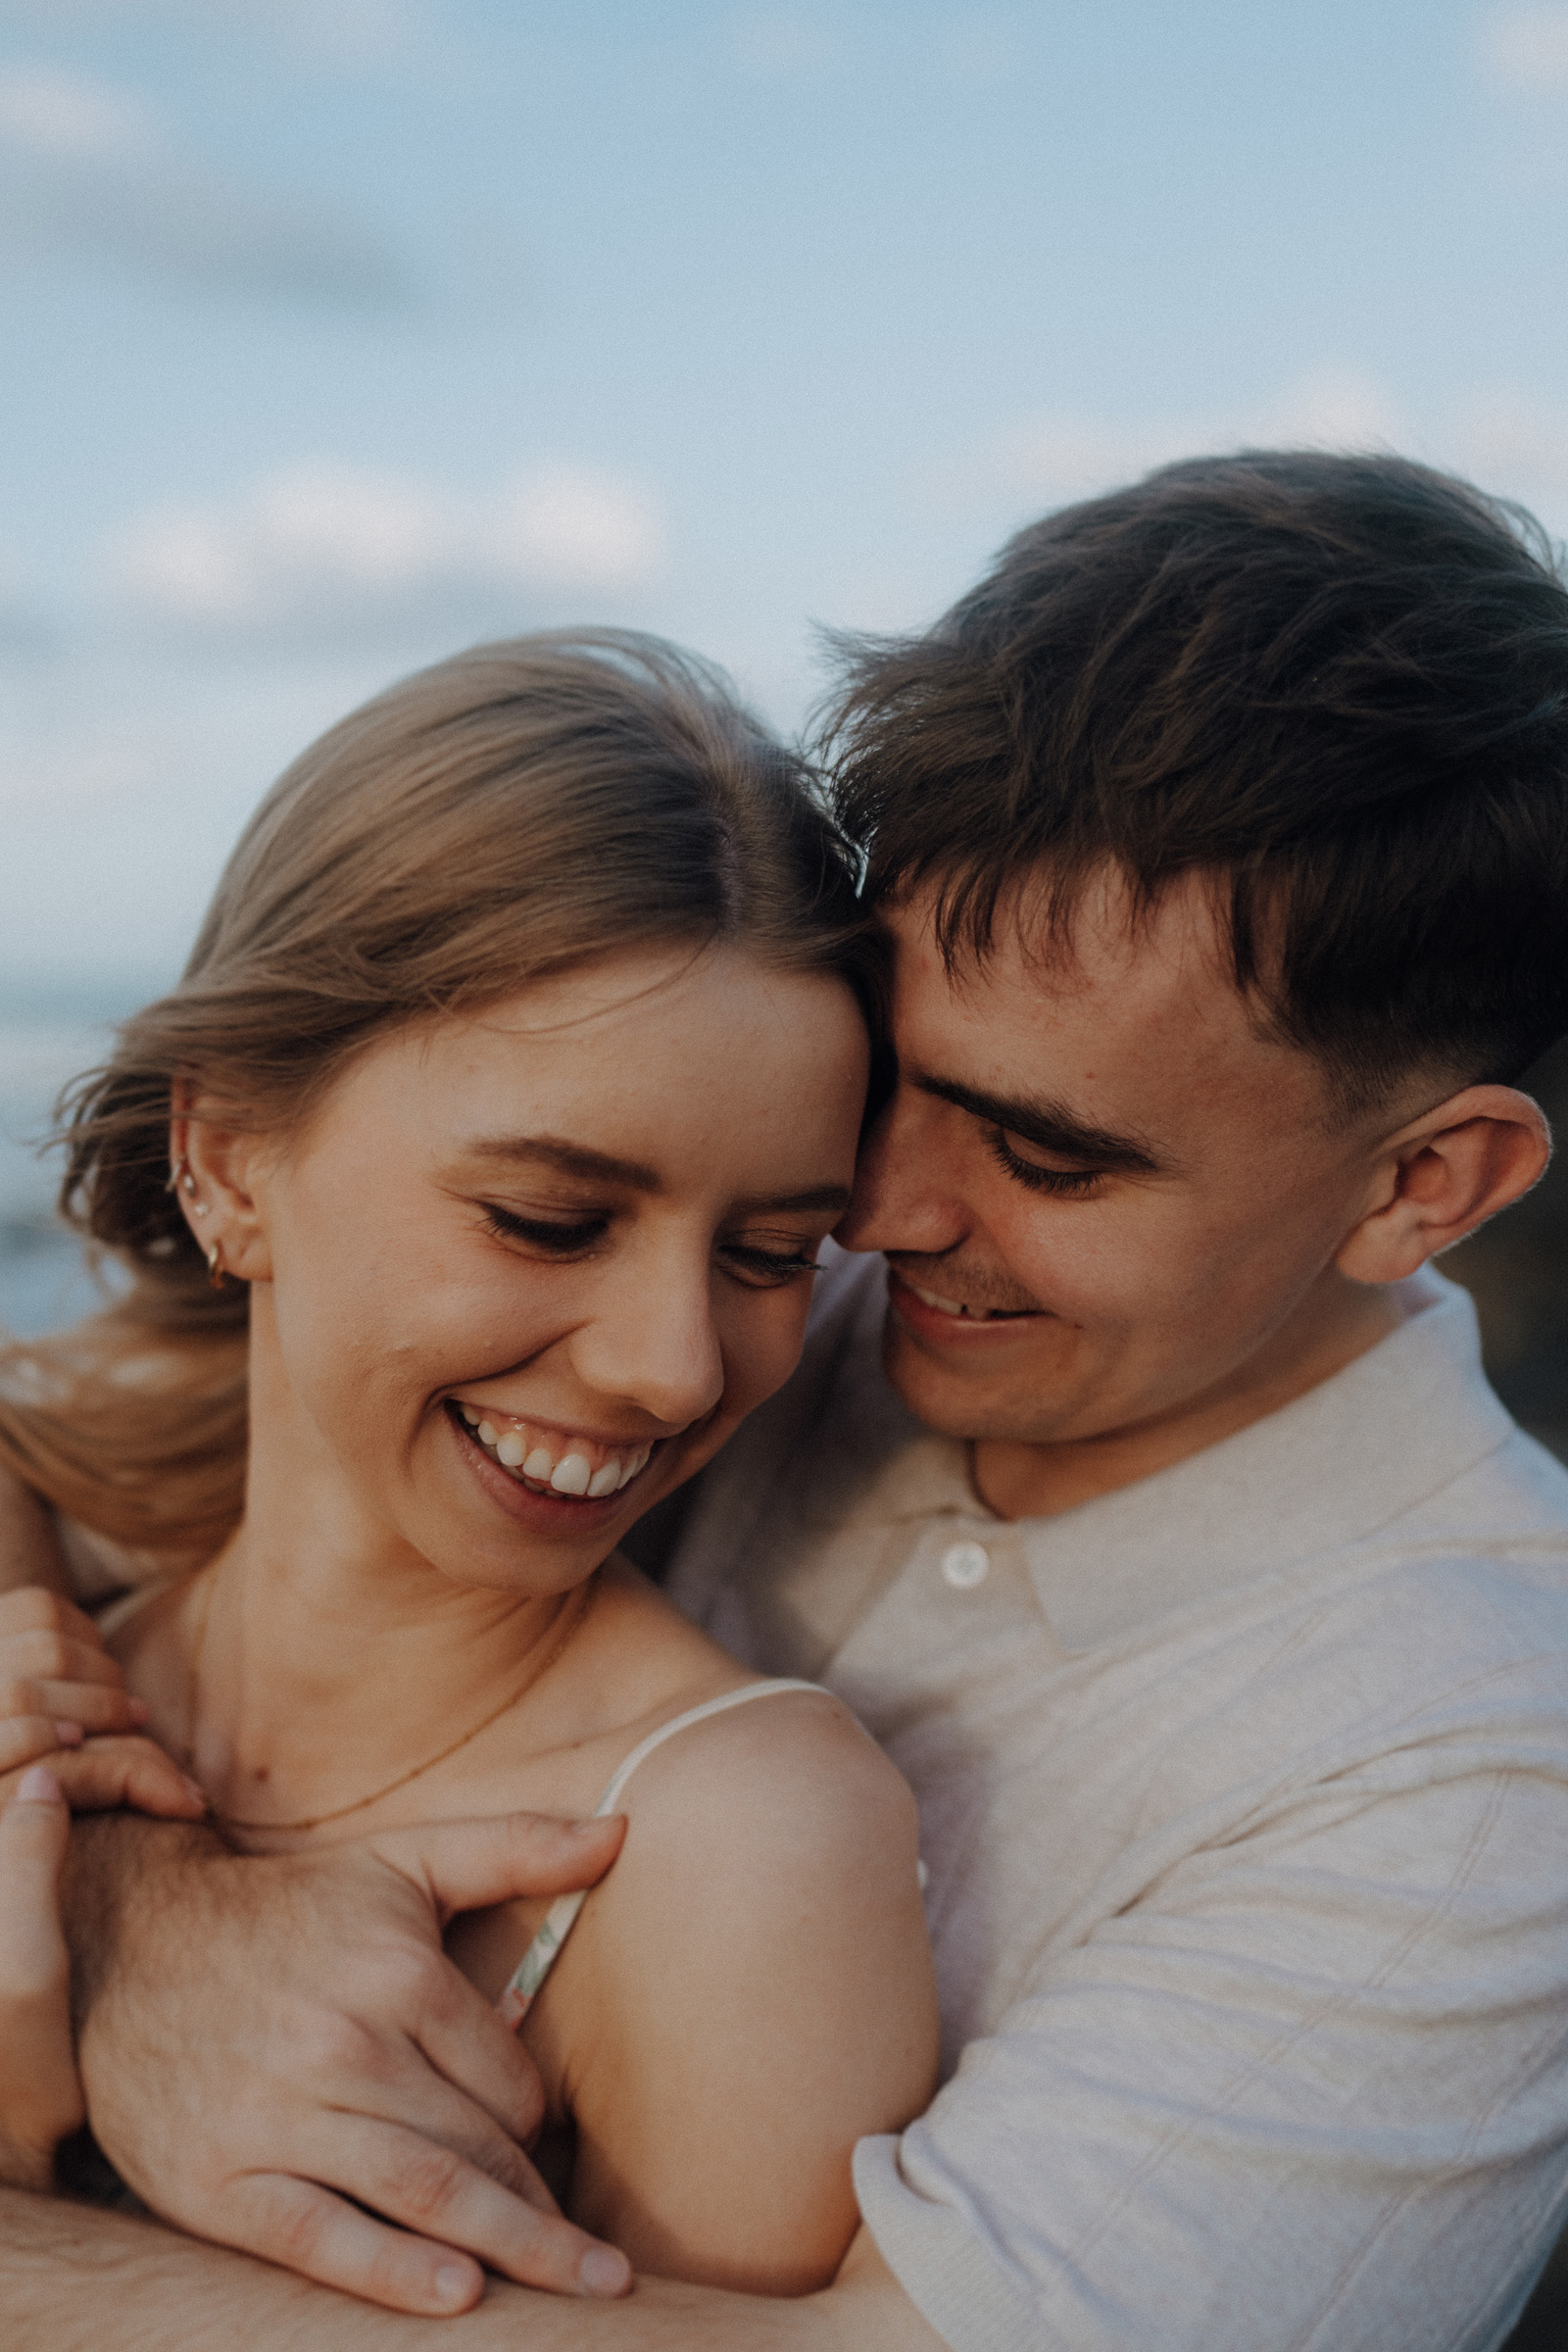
x: 770, y: 1796
x: 736, y: 1755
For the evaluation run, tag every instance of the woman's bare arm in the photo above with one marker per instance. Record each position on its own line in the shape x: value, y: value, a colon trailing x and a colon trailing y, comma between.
x: 30, y: 1550
x: 752, y: 1994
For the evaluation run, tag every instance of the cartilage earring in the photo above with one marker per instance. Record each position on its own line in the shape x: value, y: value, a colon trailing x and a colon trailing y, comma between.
x: 181, y: 1178
x: 215, y: 1267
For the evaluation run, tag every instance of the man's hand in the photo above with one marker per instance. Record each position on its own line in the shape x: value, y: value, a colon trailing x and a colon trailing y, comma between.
x: 62, y: 1703
x: 53, y: 1662
x: 268, y: 2037
x: 40, y: 2099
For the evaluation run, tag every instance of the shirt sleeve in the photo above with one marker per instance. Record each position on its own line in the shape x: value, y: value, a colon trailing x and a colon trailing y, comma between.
x: 1307, y: 2092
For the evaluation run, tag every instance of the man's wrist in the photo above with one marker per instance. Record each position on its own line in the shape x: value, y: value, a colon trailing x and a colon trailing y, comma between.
x: 116, y: 1861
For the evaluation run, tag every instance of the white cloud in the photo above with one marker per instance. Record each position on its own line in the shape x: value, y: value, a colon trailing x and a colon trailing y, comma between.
x: 777, y: 40
x: 342, y: 552
x: 1066, y: 456
x: 1511, y: 443
x: 61, y: 115
x: 1526, y: 49
x: 325, y: 31
x: 1517, y: 445
x: 88, y: 173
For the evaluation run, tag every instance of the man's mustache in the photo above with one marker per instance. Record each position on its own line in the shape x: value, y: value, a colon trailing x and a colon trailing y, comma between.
x: 974, y: 1286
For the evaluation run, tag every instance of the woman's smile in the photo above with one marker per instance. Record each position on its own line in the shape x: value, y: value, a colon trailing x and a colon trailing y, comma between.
x: 549, y: 1461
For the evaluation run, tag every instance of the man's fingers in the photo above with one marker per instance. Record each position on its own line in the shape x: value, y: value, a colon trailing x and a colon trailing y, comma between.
x: 40, y: 2097
x: 439, y: 2195
x: 96, y: 1706
x: 45, y: 1653
x: 467, y: 1865
x: 463, y: 2039
x: 30, y: 1606
x: 105, y: 1773
x: 308, y: 2229
x: 24, y: 1739
x: 34, y: 1834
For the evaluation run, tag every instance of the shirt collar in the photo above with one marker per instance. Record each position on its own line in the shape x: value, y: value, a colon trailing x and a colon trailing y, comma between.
x: 1357, y: 1451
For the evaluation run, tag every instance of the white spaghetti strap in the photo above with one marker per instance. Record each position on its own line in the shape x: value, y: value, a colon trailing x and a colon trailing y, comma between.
x: 538, y: 1960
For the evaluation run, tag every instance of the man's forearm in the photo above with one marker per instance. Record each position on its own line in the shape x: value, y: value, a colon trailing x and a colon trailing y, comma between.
x: 108, y: 1860
x: 64, y: 2266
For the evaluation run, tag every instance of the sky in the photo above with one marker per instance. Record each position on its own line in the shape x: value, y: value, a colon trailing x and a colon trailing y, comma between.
x: 335, y: 334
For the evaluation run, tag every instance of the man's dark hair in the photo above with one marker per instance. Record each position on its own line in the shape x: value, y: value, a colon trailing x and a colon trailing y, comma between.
x: 1337, y: 684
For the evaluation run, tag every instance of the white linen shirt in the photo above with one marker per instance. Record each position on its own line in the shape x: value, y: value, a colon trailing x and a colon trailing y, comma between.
x: 1244, y: 1796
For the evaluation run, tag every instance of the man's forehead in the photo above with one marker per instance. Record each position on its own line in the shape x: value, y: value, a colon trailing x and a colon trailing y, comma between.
x: 1106, y: 945
x: 1133, y: 1017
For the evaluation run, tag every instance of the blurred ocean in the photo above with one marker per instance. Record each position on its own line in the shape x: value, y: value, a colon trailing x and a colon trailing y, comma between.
x: 47, y: 1036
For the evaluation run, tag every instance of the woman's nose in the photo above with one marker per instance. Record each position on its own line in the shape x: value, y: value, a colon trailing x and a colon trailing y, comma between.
x: 656, y: 1347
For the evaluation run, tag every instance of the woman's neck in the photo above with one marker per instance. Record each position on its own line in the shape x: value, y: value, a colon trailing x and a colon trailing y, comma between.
x: 327, y: 1655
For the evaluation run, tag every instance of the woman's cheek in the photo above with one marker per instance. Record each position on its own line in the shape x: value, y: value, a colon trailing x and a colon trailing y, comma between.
x: 768, y: 1349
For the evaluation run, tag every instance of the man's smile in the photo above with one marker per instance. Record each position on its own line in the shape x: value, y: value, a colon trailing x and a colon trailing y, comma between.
x: 923, y: 1308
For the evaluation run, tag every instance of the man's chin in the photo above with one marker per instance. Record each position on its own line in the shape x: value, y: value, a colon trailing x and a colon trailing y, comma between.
x: 969, y: 1398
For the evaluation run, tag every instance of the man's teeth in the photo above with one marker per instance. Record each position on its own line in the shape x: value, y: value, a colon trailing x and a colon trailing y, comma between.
x: 970, y: 1314
x: 944, y: 1306
x: 564, y: 1468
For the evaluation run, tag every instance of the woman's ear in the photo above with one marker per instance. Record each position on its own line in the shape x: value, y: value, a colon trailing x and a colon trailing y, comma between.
x: 1442, y: 1176
x: 216, y: 1168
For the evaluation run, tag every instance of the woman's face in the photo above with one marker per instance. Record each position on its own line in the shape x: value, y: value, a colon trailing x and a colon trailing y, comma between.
x: 524, y: 1271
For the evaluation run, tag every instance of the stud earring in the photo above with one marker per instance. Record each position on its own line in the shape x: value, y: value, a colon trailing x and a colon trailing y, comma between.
x: 181, y: 1178
x: 215, y: 1267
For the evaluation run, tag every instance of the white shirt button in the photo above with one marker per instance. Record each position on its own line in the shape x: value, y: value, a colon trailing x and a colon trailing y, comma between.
x: 965, y: 1565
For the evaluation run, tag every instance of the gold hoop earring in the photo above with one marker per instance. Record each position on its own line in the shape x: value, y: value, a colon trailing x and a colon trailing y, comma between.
x: 215, y: 1267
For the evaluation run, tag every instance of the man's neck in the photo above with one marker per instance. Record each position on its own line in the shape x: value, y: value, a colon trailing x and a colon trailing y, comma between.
x: 1020, y: 1481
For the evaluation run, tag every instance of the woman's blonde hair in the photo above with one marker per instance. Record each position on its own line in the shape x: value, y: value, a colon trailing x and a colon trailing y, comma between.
x: 519, y: 808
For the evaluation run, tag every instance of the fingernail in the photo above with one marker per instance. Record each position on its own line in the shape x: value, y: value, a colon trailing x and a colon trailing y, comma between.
x: 138, y: 1710
x: 453, y: 2284
x: 603, y: 2272
x: 68, y: 1734
x: 38, y: 1786
x: 592, y: 1828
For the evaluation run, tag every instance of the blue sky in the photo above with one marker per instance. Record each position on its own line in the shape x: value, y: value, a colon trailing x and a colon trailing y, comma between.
x: 337, y: 333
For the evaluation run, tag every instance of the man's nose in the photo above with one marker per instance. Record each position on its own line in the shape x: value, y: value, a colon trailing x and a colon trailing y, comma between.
x: 656, y: 1345
x: 898, y: 1203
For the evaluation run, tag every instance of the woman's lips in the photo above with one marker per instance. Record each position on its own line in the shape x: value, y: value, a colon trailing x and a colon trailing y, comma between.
x: 550, y: 1462
x: 544, y: 1508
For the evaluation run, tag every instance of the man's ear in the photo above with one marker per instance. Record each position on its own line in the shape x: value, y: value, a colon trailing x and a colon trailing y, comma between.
x: 219, y: 1167
x: 1442, y: 1176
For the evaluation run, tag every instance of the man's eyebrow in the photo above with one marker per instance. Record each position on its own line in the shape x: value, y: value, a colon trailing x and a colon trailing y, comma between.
x: 566, y: 1158
x: 602, y: 1167
x: 1050, y: 1127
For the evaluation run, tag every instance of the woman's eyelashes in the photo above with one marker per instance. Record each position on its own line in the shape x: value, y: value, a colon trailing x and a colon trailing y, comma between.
x: 763, y: 1260
x: 1073, y: 1184
x: 761, y: 1266
x: 560, y: 1237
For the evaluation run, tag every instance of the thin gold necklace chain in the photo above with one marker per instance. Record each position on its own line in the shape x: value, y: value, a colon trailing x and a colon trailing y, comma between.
x: 575, y: 1610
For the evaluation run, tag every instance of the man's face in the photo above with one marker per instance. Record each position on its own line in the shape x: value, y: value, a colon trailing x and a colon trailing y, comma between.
x: 1133, y: 1194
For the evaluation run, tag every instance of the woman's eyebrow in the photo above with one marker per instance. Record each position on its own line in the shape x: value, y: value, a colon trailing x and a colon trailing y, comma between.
x: 566, y: 1158
x: 602, y: 1167
x: 1050, y: 1126
x: 826, y: 1197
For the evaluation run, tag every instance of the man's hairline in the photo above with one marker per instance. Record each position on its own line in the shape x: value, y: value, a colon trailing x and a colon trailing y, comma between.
x: 1345, y: 1105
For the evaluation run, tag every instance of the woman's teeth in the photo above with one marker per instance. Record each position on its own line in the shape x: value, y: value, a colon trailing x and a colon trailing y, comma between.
x: 560, y: 1466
